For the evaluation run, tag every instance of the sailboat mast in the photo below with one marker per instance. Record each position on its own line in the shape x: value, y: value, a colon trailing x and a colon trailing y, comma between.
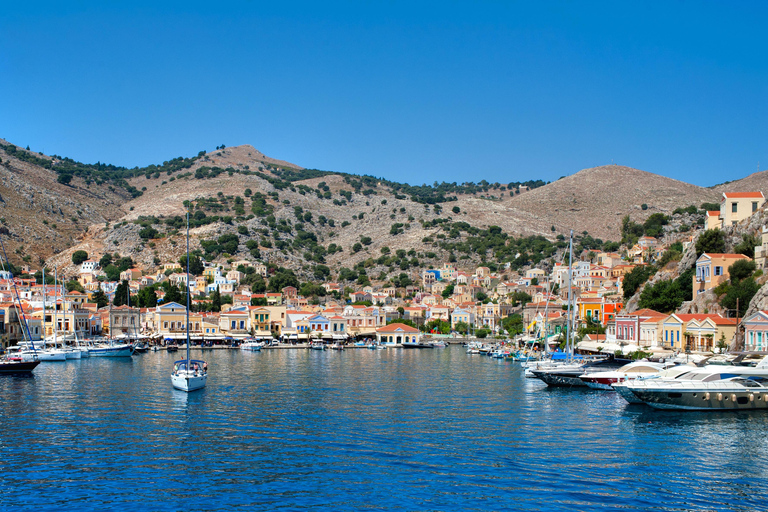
x: 188, y: 363
x: 44, y: 310
x: 546, y: 317
x: 569, y: 327
x: 55, y: 305
x: 22, y: 318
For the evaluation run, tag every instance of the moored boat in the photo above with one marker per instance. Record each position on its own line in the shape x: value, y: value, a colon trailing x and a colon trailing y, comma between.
x: 604, y: 380
x: 735, y: 393
x: 416, y: 344
x: 111, y: 350
x: 8, y: 366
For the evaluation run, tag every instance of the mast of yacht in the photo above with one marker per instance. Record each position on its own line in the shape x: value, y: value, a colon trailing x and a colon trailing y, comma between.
x: 546, y: 318
x: 569, y: 326
x: 24, y: 326
x: 44, y: 310
x: 55, y: 306
x: 187, y: 283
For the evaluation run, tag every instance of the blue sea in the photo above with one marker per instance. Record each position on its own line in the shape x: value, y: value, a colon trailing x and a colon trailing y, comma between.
x: 359, y: 430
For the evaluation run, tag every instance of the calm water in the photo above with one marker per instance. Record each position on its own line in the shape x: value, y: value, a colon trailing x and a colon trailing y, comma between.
x: 390, y: 429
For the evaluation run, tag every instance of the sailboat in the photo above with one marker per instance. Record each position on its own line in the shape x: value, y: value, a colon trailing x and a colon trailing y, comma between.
x: 22, y: 361
x: 189, y: 374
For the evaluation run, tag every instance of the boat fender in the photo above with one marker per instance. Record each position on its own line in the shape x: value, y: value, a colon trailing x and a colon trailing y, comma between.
x: 719, y: 396
x: 706, y: 396
x: 751, y: 397
x: 733, y: 397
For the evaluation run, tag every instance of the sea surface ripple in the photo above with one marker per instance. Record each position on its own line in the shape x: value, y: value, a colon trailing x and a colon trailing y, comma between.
x: 357, y: 430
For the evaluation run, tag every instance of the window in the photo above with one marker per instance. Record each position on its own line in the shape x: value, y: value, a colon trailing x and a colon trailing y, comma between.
x: 734, y: 207
x: 754, y: 206
x: 718, y: 271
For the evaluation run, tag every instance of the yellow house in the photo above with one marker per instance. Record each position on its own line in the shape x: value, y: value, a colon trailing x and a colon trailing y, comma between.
x: 703, y: 334
x: 737, y: 206
x: 713, y: 219
x: 170, y: 320
x: 712, y: 269
x: 260, y: 320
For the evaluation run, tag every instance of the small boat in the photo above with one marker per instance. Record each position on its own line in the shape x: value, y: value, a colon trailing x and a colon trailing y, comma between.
x: 171, y: 348
x: 438, y: 344
x: 189, y: 374
x: 317, y: 345
x: 604, y: 380
x: 416, y: 344
x: 140, y: 348
x: 337, y: 346
x: 111, y: 350
x: 10, y: 366
x: 252, y: 345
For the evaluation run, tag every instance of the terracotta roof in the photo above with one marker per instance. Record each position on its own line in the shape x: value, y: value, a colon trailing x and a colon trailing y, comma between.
x: 743, y: 195
x: 397, y: 327
x: 725, y: 256
x: 713, y: 213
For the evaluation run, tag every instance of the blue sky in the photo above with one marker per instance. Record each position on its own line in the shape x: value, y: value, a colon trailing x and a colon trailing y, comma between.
x: 409, y: 91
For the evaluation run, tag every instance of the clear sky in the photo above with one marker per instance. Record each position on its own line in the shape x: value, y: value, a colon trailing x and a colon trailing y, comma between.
x: 410, y: 91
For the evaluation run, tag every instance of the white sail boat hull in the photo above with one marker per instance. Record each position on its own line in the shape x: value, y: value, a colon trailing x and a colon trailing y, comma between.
x: 188, y: 381
x: 111, y: 351
x: 52, y: 355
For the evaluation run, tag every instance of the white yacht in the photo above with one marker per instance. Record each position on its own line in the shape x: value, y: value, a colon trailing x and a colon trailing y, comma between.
x: 189, y: 374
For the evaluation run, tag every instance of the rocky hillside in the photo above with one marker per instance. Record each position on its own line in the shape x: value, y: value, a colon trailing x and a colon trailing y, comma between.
x: 299, y: 217
x: 596, y: 199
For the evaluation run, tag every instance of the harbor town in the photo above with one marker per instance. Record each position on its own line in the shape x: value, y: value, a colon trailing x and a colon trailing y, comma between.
x: 528, y: 308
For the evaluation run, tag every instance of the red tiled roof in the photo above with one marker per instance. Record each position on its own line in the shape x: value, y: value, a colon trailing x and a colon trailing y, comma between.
x: 397, y: 326
x: 743, y: 195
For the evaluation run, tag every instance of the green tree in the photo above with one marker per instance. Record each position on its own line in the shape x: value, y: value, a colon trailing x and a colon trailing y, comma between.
x: 258, y: 301
x: 121, y: 294
x: 195, y: 264
x: 742, y: 269
x: 513, y: 324
x: 741, y: 293
x: 147, y: 298
x: 634, y: 279
x: 100, y: 298
x: 173, y: 294
x: 216, y: 300
x: 282, y: 278
x: 148, y: 233
x: 113, y: 273
x: 711, y: 241
x: 105, y: 260
x: 73, y: 285
x: 448, y: 291
x: 747, y: 245
x: 461, y: 327
x: 79, y: 256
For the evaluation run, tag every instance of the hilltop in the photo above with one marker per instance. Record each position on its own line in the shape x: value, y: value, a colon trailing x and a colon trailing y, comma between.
x: 297, y: 217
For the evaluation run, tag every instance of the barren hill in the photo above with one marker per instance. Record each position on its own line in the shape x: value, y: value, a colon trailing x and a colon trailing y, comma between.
x: 277, y: 206
x: 757, y: 181
x: 596, y: 199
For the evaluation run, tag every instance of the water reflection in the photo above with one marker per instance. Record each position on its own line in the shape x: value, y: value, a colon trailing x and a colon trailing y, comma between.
x: 360, y: 429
